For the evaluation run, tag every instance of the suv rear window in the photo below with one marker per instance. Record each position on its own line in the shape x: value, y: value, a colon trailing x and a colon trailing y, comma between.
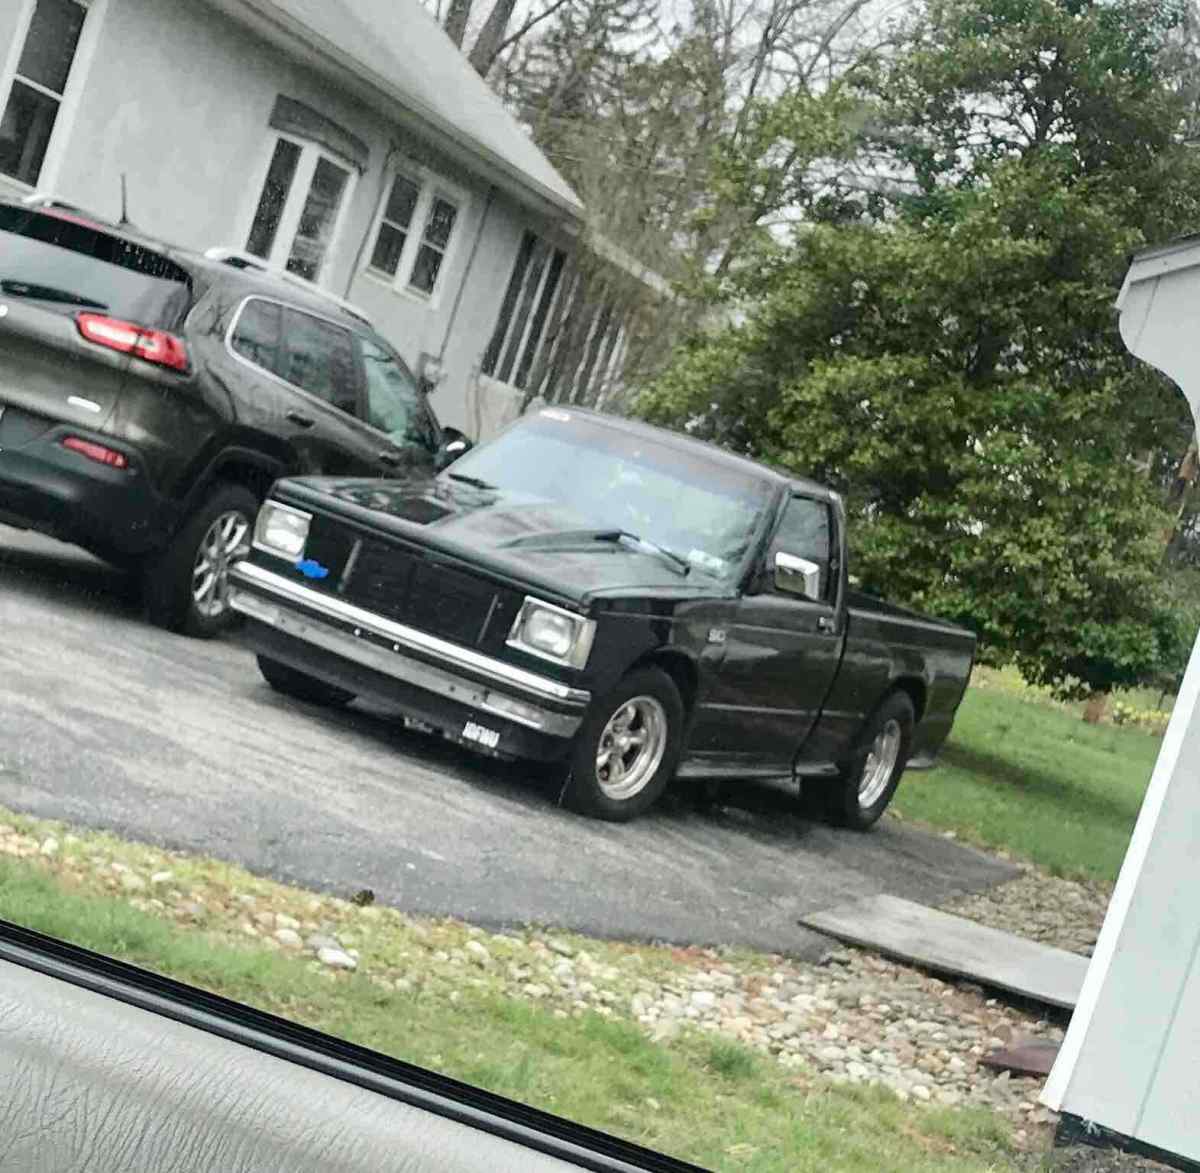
x: 61, y: 262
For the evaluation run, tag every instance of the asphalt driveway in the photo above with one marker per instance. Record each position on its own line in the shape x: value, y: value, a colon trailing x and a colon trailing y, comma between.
x: 110, y: 723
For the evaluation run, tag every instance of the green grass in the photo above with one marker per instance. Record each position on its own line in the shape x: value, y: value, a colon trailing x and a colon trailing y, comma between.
x: 1035, y: 780
x: 714, y: 1103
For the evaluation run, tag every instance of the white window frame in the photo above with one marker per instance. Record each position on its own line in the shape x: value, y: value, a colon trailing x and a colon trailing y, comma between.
x: 289, y: 221
x: 68, y: 100
x: 429, y: 186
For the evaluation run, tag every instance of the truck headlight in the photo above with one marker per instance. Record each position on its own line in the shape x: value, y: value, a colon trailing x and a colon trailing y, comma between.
x: 282, y: 530
x: 552, y: 633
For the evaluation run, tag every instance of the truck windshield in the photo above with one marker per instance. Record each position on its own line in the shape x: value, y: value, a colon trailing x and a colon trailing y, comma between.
x: 704, y: 509
x: 70, y: 266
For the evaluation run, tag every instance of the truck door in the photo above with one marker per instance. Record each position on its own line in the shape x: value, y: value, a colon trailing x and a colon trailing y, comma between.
x: 782, y: 650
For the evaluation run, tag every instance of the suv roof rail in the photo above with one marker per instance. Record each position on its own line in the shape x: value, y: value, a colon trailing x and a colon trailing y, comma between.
x: 243, y: 260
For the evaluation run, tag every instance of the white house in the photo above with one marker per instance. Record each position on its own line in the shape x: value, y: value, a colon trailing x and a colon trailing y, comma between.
x: 346, y: 140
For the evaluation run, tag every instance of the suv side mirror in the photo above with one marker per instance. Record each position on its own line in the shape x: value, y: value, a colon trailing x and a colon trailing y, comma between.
x: 797, y: 576
x: 454, y: 444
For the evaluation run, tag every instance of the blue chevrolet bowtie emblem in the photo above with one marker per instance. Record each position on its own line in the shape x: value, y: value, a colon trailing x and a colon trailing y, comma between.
x: 312, y: 569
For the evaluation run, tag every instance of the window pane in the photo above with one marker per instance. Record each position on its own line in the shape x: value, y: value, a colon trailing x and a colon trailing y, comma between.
x: 394, y: 403
x: 257, y: 334
x: 388, y: 248
x: 50, y: 46
x: 441, y: 223
x: 274, y: 195
x: 25, y: 132
x: 804, y: 531
x: 539, y: 320
x: 317, y: 220
x: 492, y: 354
x: 317, y: 356
x: 425, y: 271
x: 402, y: 202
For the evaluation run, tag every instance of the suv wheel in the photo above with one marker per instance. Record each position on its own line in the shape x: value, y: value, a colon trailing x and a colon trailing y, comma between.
x: 627, y: 749
x: 187, y: 586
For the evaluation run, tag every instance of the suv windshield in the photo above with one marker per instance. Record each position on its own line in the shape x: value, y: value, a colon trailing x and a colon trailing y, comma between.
x: 704, y: 510
x: 61, y: 262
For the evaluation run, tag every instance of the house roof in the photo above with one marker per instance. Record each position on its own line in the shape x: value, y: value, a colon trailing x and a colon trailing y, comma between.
x: 398, y: 50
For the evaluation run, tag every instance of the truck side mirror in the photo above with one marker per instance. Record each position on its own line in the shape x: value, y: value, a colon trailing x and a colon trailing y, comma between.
x: 454, y: 445
x: 797, y: 576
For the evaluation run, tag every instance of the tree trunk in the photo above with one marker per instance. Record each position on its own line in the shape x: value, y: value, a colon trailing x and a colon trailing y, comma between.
x: 1096, y: 707
x: 491, y: 36
x: 456, y: 20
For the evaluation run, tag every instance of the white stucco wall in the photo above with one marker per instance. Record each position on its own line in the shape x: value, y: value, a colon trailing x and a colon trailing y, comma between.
x: 178, y: 97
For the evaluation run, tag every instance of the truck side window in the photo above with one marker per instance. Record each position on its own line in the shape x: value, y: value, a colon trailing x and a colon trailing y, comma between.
x: 805, y: 531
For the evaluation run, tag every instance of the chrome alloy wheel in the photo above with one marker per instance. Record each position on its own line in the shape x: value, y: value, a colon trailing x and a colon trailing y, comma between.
x: 631, y: 748
x: 880, y: 764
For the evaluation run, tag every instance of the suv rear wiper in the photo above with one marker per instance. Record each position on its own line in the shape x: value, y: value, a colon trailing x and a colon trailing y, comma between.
x: 48, y: 293
x: 559, y: 537
x: 474, y: 482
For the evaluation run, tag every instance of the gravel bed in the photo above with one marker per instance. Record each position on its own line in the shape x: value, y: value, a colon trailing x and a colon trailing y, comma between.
x: 857, y: 1017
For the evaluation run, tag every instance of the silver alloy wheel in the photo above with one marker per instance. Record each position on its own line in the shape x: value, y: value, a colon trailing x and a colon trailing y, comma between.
x: 880, y: 763
x: 226, y: 540
x: 631, y: 748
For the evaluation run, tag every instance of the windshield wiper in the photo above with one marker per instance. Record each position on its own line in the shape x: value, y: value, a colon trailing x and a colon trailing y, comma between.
x: 474, y: 482
x: 568, y: 536
x: 48, y: 293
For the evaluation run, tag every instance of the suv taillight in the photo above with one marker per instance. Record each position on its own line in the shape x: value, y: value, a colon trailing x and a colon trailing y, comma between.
x: 165, y: 350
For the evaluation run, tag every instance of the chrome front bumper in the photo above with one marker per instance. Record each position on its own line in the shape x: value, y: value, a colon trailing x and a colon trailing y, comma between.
x: 381, y: 644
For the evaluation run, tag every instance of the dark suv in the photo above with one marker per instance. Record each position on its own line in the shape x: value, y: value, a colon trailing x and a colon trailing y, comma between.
x: 149, y: 397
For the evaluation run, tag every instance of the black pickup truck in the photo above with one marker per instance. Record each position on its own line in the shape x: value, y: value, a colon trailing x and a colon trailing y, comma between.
x: 631, y: 602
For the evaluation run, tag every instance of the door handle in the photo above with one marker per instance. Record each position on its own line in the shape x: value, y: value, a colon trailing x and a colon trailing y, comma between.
x: 300, y: 419
x: 826, y: 623
x: 393, y: 459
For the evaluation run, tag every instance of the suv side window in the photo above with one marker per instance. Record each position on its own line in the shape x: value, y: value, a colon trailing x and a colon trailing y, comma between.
x: 805, y: 530
x: 256, y: 335
x: 319, y: 357
x: 395, y: 404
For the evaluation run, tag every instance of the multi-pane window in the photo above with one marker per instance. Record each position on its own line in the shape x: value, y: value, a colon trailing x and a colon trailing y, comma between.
x: 38, y: 86
x: 531, y: 300
x: 299, y: 209
x: 415, y: 233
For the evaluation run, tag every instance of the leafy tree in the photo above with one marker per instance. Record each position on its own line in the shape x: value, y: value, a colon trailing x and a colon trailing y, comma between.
x: 938, y: 338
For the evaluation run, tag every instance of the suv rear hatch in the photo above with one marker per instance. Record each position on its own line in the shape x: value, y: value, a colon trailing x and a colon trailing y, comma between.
x: 76, y: 302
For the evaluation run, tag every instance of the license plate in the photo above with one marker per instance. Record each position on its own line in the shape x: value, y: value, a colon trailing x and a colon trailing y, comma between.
x: 489, y: 738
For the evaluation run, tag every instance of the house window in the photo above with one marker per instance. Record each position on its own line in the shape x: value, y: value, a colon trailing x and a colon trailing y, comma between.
x: 299, y: 209
x: 38, y: 87
x: 416, y: 228
x: 530, y: 302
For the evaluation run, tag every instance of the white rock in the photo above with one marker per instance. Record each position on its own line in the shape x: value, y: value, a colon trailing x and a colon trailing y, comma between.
x: 131, y: 882
x: 283, y: 921
x: 920, y: 1092
x: 162, y: 877
x: 49, y: 846
x: 289, y: 938
x: 336, y: 959
x: 703, y: 999
x: 479, y: 954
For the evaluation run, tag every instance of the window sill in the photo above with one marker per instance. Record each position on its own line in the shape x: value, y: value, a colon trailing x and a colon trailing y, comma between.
x: 425, y: 300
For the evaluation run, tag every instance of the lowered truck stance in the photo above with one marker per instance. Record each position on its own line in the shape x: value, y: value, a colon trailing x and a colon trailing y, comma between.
x: 636, y: 604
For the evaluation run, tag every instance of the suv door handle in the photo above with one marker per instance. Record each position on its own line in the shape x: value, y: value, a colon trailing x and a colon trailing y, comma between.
x: 300, y: 419
x: 387, y: 456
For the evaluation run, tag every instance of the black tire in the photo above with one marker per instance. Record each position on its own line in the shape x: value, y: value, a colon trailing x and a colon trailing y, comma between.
x: 589, y: 789
x: 300, y: 686
x: 845, y: 802
x: 168, y: 577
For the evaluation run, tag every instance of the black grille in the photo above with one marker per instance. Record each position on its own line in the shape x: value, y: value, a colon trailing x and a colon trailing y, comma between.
x: 423, y: 594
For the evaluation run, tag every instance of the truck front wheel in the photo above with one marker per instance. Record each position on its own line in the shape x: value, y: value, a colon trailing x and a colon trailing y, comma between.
x: 867, y: 782
x: 627, y: 749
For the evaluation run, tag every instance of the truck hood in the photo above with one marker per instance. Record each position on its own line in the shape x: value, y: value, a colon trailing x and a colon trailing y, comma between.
x: 481, y: 526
